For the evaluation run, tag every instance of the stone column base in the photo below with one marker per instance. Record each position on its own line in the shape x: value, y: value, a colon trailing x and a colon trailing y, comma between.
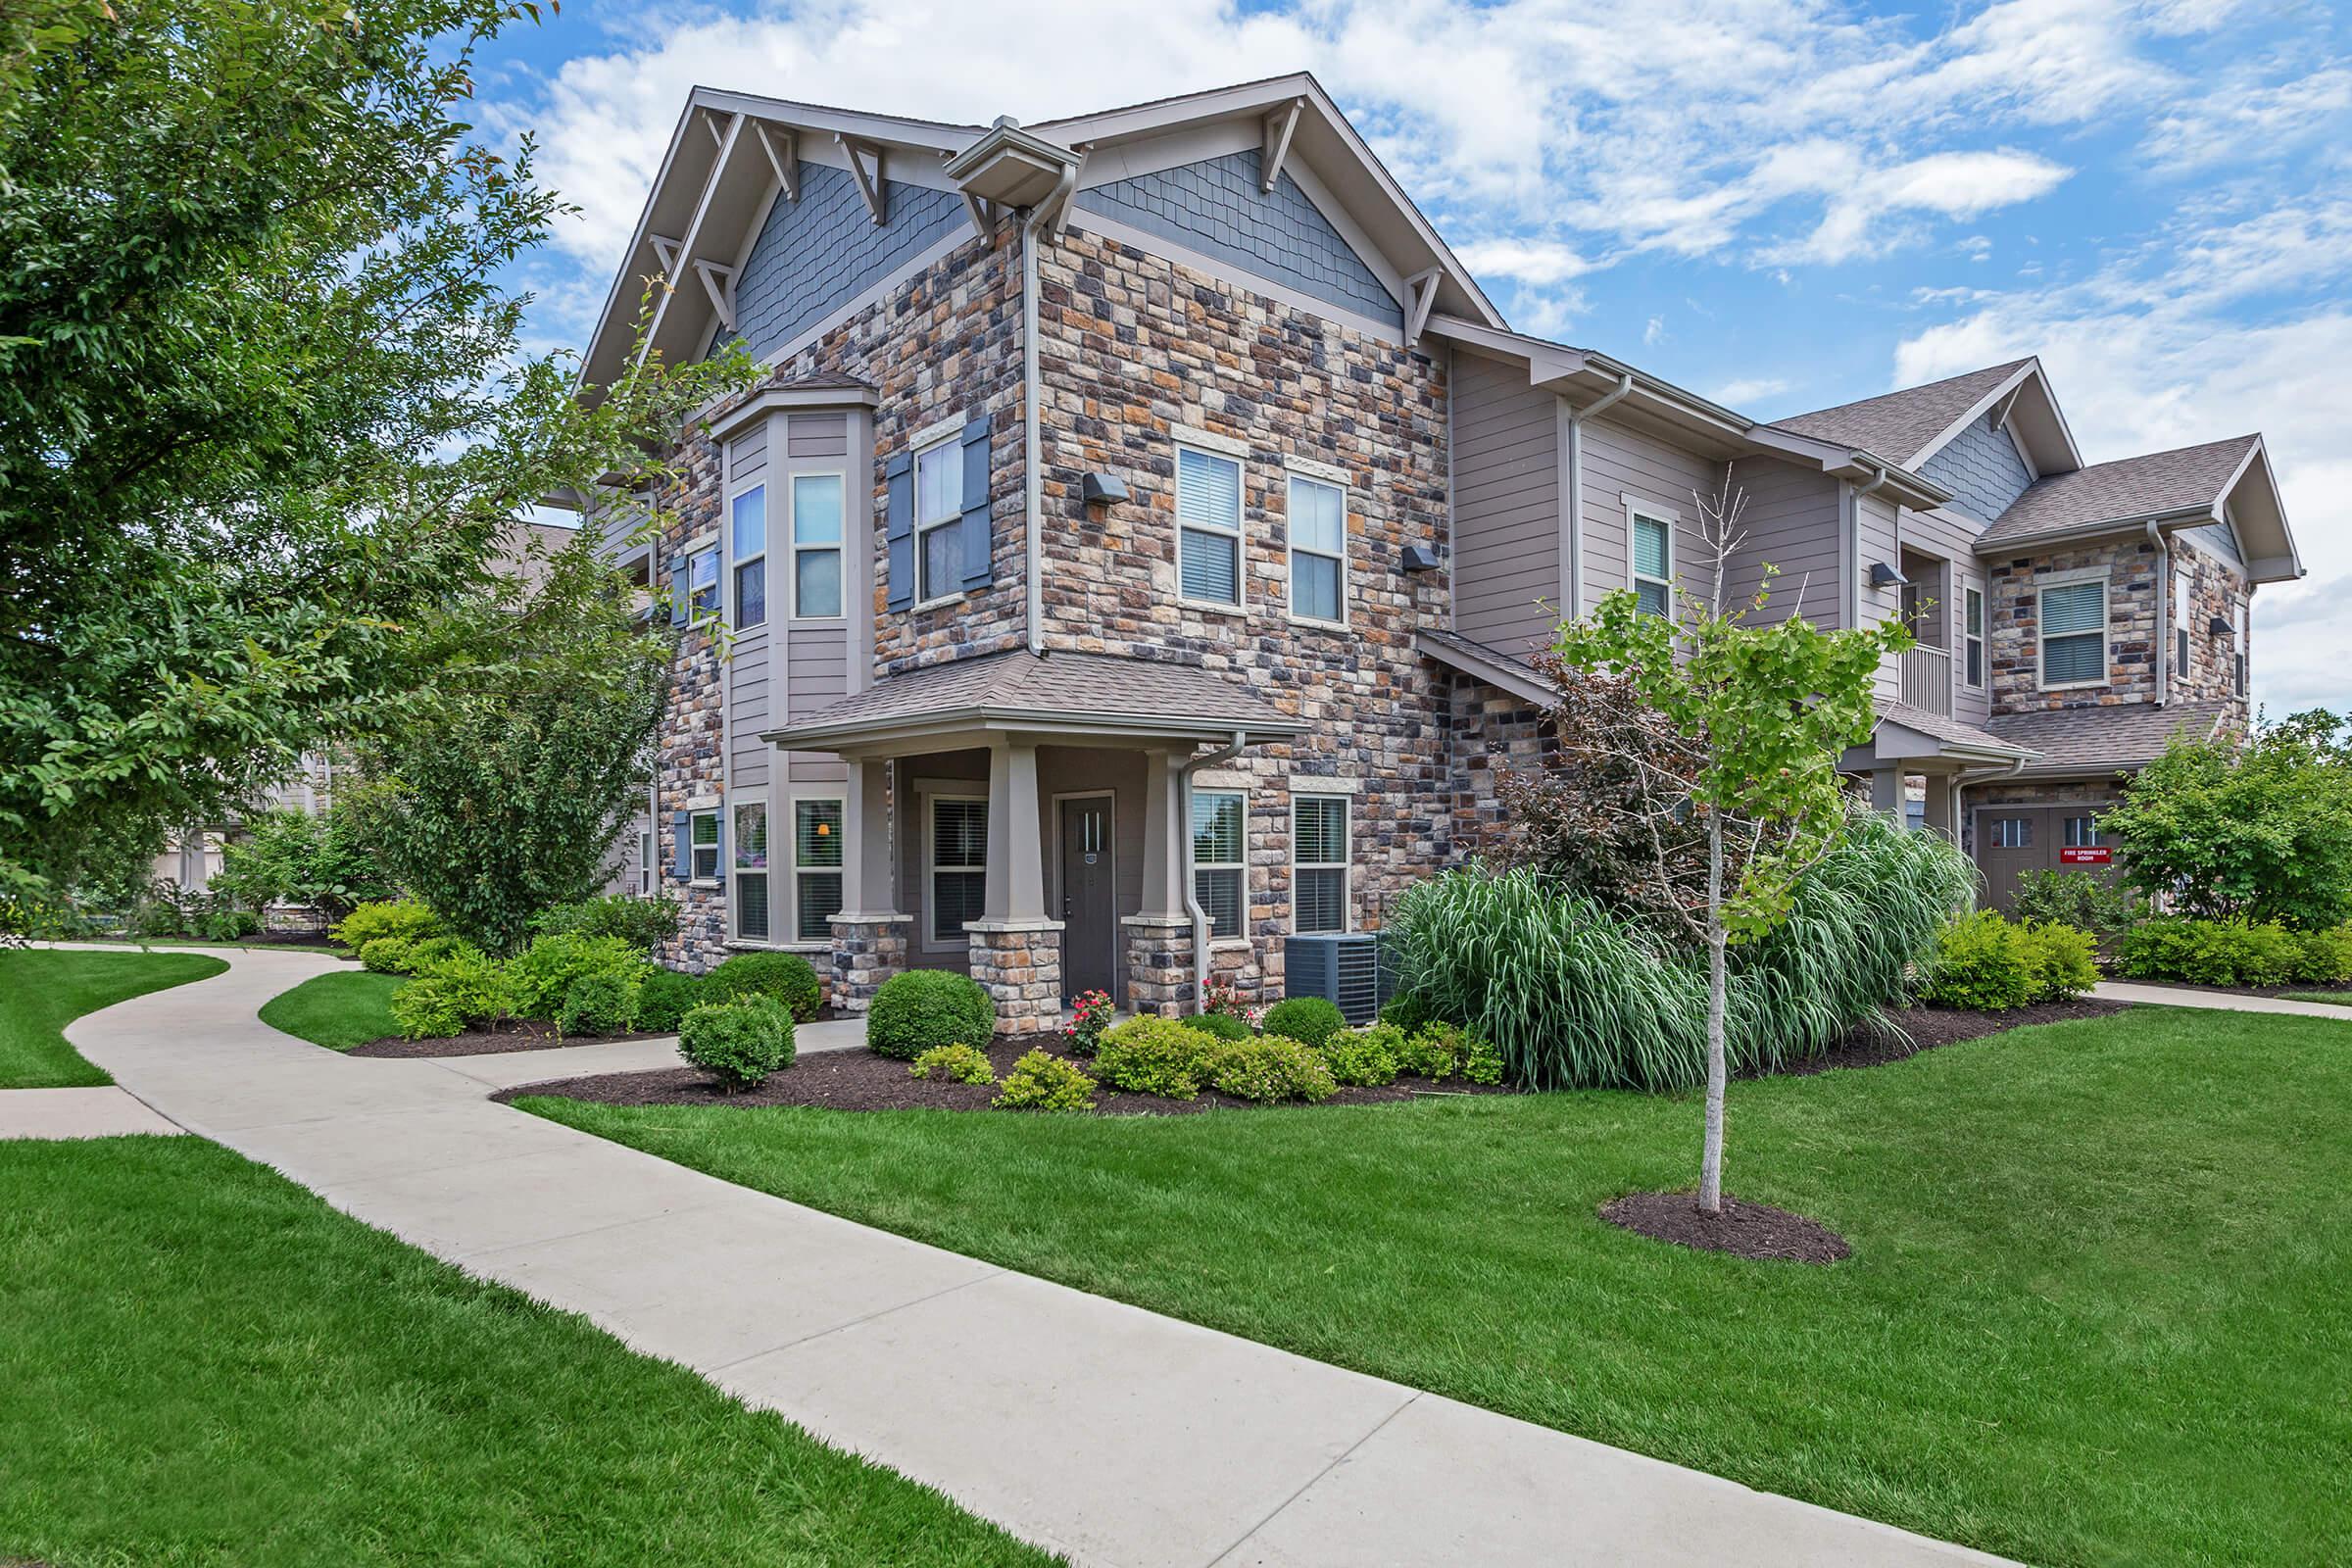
x: 867, y: 949
x: 1160, y: 964
x: 1019, y: 963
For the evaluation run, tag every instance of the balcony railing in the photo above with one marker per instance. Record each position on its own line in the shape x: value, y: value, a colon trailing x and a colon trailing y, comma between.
x: 1928, y: 679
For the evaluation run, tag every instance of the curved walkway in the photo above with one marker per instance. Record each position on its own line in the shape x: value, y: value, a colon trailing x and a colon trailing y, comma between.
x: 2216, y: 1001
x: 1103, y: 1431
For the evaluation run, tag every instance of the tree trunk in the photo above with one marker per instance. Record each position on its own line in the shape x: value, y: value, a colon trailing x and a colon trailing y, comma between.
x: 1710, y: 1164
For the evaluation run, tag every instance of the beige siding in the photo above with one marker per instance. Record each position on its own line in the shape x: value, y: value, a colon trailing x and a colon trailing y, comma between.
x: 1620, y: 461
x: 1790, y: 521
x: 1506, y: 505
x: 1952, y: 537
x: 1878, y: 539
x: 816, y: 673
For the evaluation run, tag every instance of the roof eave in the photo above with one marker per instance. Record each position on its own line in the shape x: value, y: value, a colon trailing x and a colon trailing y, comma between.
x: 996, y: 719
x: 2171, y: 520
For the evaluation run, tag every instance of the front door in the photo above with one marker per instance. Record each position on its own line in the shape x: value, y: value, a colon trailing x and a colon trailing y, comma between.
x: 2013, y: 839
x: 1089, y: 927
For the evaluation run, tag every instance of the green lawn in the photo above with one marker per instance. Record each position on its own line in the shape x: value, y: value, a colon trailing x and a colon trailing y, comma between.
x: 42, y: 989
x: 338, y: 1010
x: 2097, y: 1312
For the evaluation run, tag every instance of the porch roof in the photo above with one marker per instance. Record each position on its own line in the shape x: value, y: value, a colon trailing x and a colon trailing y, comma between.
x: 2118, y: 737
x: 1056, y: 693
x: 1907, y: 734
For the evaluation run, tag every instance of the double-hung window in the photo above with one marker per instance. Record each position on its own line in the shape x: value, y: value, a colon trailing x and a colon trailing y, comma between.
x: 816, y: 867
x: 1319, y: 862
x: 748, y: 521
x: 1319, y: 549
x: 2184, y: 645
x: 702, y: 581
x: 1208, y: 528
x: 645, y: 862
x: 701, y: 845
x: 1218, y: 835
x: 1650, y: 547
x: 751, y: 870
x: 938, y: 508
x: 1972, y: 638
x: 2074, y: 634
x: 816, y: 537
x: 959, y: 866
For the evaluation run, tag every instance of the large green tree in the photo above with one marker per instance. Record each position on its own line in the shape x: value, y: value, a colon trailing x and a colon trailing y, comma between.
x: 264, y: 401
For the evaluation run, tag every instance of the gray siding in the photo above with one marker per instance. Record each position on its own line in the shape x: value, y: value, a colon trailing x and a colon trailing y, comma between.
x: 2218, y: 541
x: 1791, y: 522
x: 1982, y: 468
x: 1214, y: 206
x: 1506, y: 507
x: 1621, y: 461
x: 817, y: 255
x: 1952, y: 537
x: 1880, y: 537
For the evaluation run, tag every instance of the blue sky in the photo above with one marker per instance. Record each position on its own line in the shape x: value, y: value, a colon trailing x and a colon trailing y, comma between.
x: 1783, y: 206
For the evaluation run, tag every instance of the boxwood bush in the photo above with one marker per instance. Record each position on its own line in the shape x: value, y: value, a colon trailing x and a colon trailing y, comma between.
x: 1306, y: 1019
x: 920, y: 1008
x: 600, y: 1003
x: 739, y: 1043
x: 664, y: 998
x: 786, y: 977
x: 1223, y: 1025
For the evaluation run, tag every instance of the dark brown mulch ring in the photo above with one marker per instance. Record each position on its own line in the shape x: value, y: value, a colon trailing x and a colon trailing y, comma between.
x: 1745, y: 1230
x: 860, y: 1080
x: 1871, y: 1046
x: 516, y: 1035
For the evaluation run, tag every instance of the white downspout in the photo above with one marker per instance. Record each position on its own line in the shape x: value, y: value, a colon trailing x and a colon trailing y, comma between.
x: 1034, y: 479
x: 1192, y: 892
x: 2164, y: 615
x: 1572, y: 575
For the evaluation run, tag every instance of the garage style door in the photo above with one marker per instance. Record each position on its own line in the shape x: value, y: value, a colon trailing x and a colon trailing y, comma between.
x: 2012, y: 840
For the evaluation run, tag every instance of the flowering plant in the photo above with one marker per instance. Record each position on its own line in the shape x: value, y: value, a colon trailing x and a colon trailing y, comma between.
x: 1220, y: 996
x: 1089, y: 1015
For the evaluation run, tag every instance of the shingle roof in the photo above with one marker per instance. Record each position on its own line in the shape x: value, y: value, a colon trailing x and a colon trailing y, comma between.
x: 2104, y: 740
x: 1898, y: 425
x: 2120, y: 491
x: 1949, y: 731
x: 1060, y: 685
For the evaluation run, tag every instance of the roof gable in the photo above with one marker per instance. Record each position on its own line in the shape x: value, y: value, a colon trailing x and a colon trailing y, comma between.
x: 1911, y: 425
x: 2219, y: 482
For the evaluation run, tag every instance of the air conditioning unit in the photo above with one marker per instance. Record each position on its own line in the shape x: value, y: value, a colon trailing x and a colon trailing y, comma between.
x: 1348, y: 971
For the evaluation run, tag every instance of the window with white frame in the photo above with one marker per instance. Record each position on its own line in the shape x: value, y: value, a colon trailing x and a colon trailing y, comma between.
x: 938, y: 508
x: 1972, y: 652
x: 2074, y: 634
x: 2184, y: 645
x: 959, y: 866
x: 748, y: 539
x: 1208, y: 528
x: 701, y: 845
x: 702, y: 581
x: 2012, y: 832
x: 2245, y: 633
x: 816, y: 867
x: 2082, y: 832
x: 816, y: 537
x: 750, y: 871
x: 1650, y: 552
x: 1319, y: 862
x: 1218, y: 836
x: 1319, y: 549
x: 645, y: 862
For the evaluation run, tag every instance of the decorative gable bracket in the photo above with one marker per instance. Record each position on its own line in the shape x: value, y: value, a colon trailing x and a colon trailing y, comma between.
x: 720, y: 283
x: 1281, y: 125
x: 870, y: 183
x: 666, y: 250
x: 783, y: 149
x: 1421, y: 290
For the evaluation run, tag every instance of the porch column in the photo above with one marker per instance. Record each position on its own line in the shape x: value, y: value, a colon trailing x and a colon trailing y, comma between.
x: 1944, y: 814
x: 1159, y: 934
x: 1886, y: 792
x: 1015, y: 950
x: 870, y: 936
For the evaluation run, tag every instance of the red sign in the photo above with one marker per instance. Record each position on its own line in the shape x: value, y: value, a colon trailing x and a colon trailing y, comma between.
x: 2101, y: 856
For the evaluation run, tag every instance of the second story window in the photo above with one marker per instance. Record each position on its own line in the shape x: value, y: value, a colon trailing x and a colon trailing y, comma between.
x: 817, y: 538
x: 1972, y: 653
x: 701, y: 829
x: 1651, y: 551
x: 2074, y: 634
x: 702, y: 581
x: 2184, y: 645
x: 1208, y: 528
x: 1218, y: 831
x: 938, y: 508
x: 1319, y: 549
x: 749, y: 541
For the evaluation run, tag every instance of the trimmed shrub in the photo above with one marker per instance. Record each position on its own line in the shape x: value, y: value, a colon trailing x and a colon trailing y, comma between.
x: 1482, y: 1062
x: 920, y: 1008
x: 544, y: 970
x: 1041, y: 1082
x: 1361, y: 1058
x: 2066, y: 962
x: 1435, y: 1051
x: 739, y: 1043
x: 1272, y: 1067
x: 1223, y: 1025
x: 1306, y: 1019
x: 2324, y: 956
x: 1984, y: 964
x: 602, y: 1004
x: 957, y: 1064
x: 2083, y: 900
x: 644, y: 923
x: 2211, y: 952
x: 786, y: 977
x: 664, y: 999
x: 426, y: 952
x: 402, y: 917
x: 1152, y: 1056
x: 388, y: 956
x: 460, y: 990
x: 1406, y: 1012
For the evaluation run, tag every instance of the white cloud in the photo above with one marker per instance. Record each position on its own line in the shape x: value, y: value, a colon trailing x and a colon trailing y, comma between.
x: 1654, y: 332
x: 2247, y: 118
x: 1749, y: 389
x: 1538, y: 262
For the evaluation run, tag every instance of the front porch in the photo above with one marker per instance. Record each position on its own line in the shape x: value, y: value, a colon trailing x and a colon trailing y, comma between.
x: 1026, y: 819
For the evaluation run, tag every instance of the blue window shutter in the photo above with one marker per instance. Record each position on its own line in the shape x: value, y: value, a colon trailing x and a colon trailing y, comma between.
x: 979, y: 541
x: 681, y: 859
x: 900, y: 534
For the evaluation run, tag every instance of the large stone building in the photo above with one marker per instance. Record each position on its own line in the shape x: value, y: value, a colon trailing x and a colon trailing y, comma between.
x: 1220, y: 638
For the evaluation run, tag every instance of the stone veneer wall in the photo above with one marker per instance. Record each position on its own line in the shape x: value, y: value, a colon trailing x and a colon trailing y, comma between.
x: 2013, y: 646
x: 1133, y: 346
x: 1492, y: 733
x: 2215, y: 588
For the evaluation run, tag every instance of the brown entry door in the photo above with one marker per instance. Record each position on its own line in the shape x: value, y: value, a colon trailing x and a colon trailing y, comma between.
x: 2013, y: 839
x: 1089, y: 925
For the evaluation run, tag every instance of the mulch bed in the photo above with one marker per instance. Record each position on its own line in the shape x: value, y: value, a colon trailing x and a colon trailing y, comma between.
x: 1872, y: 1046
x: 860, y: 1080
x: 1742, y: 1229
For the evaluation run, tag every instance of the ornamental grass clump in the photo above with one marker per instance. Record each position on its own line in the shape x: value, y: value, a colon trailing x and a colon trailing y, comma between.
x: 739, y: 1043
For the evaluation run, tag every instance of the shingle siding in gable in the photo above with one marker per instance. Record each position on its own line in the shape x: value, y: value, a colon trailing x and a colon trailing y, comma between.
x: 815, y: 255
x: 1216, y: 207
x: 1981, y: 470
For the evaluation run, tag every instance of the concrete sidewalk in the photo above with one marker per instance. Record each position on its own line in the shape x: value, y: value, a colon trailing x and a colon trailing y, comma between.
x: 2217, y: 1000
x: 95, y: 1113
x: 1102, y: 1431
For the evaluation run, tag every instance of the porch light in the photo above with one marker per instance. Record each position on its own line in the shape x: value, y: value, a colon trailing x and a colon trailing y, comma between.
x: 1881, y: 575
x: 2220, y: 626
x: 1102, y: 490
